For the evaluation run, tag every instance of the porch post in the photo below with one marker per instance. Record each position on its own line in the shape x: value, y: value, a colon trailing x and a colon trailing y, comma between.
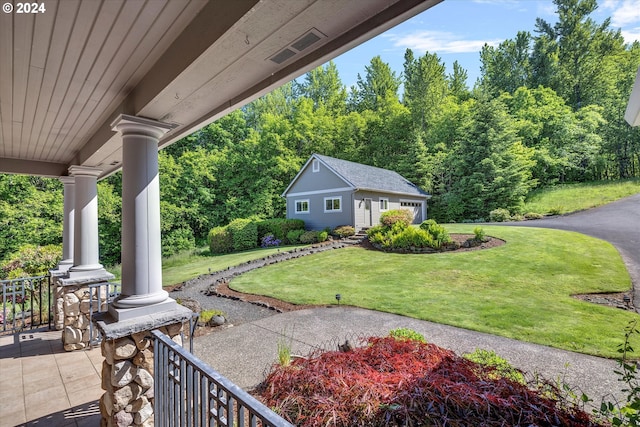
x: 142, y: 291
x: 85, y: 233
x: 68, y: 223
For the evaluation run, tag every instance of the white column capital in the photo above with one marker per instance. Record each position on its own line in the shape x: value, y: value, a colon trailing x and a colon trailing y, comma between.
x: 127, y: 124
x: 76, y: 170
x: 67, y: 180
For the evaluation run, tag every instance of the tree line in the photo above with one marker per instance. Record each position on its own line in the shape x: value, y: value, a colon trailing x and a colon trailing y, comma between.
x: 547, y: 108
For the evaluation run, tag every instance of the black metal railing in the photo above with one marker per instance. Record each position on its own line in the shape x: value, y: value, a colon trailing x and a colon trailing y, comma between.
x: 26, y: 303
x: 102, y: 294
x: 188, y: 393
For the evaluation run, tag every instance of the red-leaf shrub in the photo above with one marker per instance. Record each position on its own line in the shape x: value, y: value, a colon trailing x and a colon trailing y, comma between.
x: 395, y: 382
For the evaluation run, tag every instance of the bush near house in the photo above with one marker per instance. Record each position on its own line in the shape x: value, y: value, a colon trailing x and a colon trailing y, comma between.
x: 389, y: 218
x: 343, y: 231
x: 249, y: 233
x: 400, y: 236
x: 279, y: 228
x: 313, y: 236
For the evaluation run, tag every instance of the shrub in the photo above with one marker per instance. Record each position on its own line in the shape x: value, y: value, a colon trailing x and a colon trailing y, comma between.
x: 31, y: 260
x: 498, y: 366
x: 220, y: 241
x: 479, y: 235
x: 293, y: 236
x: 499, y: 215
x: 556, y: 210
x: 309, y: 237
x: 279, y: 228
x: 396, y: 382
x: 411, y: 237
x: 177, y: 240
x: 269, y: 241
x: 244, y: 233
x: 343, y: 231
x: 323, y: 236
x: 407, y: 334
x: 439, y: 235
x: 533, y: 215
x: 393, y: 216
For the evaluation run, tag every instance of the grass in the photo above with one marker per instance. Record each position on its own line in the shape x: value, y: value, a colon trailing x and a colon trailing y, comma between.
x: 567, y: 198
x: 189, y: 264
x: 520, y: 290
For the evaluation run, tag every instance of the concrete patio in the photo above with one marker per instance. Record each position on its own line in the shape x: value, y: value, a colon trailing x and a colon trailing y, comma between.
x: 43, y: 385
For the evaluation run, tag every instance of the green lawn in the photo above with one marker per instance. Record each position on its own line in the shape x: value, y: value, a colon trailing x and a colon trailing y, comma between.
x: 574, y: 197
x: 190, y: 264
x: 519, y: 290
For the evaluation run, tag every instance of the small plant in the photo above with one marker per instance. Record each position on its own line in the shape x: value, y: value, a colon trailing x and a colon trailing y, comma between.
x: 407, y: 334
x: 499, y: 366
x: 533, y: 215
x: 269, y: 241
x: 479, y: 235
x: 313, y: 236
x: 206, y: 315
x: 499, y: 215
x: 343, y: 231
x: 556, y: 210
x: 284, y: 349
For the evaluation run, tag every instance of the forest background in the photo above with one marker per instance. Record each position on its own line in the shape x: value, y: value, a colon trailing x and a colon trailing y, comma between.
x: 548, y: 108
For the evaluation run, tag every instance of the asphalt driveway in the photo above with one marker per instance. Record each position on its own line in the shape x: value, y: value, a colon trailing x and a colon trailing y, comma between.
x: 617, y: 223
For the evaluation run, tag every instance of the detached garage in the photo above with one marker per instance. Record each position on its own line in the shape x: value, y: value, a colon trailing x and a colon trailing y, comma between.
x: 328, y: 192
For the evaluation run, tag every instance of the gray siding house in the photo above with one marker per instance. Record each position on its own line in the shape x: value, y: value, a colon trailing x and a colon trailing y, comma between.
x: 329, y: 192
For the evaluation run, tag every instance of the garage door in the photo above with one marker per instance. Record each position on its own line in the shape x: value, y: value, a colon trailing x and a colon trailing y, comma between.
x: 416, y: 207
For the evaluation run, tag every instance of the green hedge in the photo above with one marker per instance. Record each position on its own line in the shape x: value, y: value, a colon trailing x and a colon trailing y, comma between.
x: 244, y: 234
x: 220, y: 241
x: 279, y: 228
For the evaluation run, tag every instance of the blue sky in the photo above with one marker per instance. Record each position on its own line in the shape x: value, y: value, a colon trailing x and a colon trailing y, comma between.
x: 457, y: 30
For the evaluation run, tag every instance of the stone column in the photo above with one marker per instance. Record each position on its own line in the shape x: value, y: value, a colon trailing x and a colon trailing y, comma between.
x: 85, y: 237
x: 142, y: 291
x: 68, y: 223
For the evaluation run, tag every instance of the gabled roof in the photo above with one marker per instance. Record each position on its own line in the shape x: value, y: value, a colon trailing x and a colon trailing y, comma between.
x: 364, y: 177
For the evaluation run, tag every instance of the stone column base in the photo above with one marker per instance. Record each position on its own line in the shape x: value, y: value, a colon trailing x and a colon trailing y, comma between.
x: 127, y: 371
x: 73, y: 302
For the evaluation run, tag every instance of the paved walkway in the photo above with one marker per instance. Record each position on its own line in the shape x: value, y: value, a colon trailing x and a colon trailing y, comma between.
x: 43, y: 385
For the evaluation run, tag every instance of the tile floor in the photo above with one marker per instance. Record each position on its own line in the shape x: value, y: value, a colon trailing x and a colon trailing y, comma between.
x: 43, y: 385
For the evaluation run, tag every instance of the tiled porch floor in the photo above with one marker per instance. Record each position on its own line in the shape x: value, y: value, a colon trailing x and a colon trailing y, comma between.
x: 43, y: 385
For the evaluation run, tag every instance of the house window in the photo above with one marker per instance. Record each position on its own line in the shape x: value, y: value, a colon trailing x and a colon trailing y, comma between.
x: 316, y: 165
x: 333, y: 204
x: 384, y: 204
x: 302, y: 206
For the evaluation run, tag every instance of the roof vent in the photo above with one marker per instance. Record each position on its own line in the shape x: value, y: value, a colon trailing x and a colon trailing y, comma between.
x: 301, y: 43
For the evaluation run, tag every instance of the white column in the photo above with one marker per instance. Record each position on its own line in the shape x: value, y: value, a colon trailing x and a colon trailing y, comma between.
x: 141, y: 246
x: 68, y: 222
x: 85, y: 233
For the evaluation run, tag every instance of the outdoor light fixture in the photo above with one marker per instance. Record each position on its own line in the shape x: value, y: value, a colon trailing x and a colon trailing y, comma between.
x: 338, y: 298
x: 625, y: 298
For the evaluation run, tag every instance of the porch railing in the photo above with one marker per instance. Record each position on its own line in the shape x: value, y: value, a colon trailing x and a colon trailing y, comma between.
x: 102, y: 294
x: 26, y: 303
x: 188, y: 393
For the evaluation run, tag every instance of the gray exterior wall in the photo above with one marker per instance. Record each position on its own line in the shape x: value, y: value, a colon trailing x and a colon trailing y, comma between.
x: 395, y: 202
x: 317, y: 218
x: 322, y: 180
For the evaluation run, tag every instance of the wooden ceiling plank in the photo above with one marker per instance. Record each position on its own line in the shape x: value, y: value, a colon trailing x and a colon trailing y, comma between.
x: 73, y: 77
x: 21, y: 55
x: 139, y: 17
x: 41, y: 39
x: 169, y: 25
x: 45, y: 110
x: 6, y: 81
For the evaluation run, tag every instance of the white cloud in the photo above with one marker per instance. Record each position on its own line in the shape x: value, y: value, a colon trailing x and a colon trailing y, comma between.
x: 623, y: 12
x: 439, y: 42
x: 630, y: 35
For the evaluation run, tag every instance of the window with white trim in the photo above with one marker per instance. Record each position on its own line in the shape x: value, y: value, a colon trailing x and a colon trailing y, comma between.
x: 302, y: 206
x: 316, y: 165
x: 333, y: 204
x: 384, y: 204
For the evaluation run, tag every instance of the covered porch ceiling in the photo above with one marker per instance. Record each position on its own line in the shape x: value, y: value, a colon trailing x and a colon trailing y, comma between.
x: 67, y: 72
